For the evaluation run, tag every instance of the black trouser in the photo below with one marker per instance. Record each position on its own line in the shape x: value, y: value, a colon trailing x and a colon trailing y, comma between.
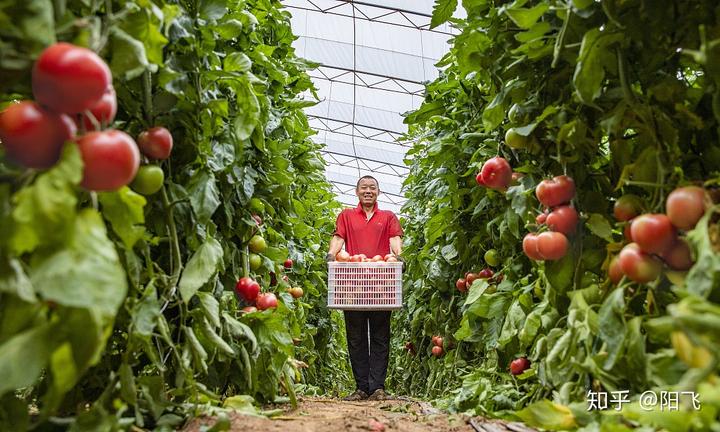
x: 369, y: 363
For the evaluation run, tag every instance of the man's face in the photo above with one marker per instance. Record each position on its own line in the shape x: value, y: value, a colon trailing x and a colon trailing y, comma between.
x: 367, y: 191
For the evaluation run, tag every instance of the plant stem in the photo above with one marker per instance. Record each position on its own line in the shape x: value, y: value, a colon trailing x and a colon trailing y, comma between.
x: 176, y: 263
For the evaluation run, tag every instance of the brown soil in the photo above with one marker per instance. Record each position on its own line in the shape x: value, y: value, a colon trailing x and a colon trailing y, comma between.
x: 332, y: 415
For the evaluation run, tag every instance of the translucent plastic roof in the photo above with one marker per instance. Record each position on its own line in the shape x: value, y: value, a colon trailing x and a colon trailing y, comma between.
x: 374, y: 56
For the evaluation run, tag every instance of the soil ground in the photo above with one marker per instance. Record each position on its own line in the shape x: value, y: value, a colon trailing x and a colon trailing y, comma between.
x: 332, y: 415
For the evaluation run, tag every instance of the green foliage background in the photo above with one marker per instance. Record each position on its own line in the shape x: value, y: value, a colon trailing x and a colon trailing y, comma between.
x: 117, y: 308
x: 624, y: 96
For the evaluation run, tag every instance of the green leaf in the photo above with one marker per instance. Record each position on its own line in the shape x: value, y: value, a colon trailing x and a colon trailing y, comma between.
x: 129, y: 59
x: 44, y: 213
x: 213, y: 9
x: 144, y: 26
x: 204, y: 195
x: 526, y: 18
x: 612, y: 326
x: 23, y: 357
x: 86, y: 273
x: 248, y: 111
x: 210, y: 307
x: 590, y: 69
x: 598, y: 225
x: 200, y: 268
x: 237, y: 62
x: 13, y: 280
x: 124, y: 210
x: 442, y: 11
x: 548, y: 415
x: 704, y: 276
x: 146, y: 312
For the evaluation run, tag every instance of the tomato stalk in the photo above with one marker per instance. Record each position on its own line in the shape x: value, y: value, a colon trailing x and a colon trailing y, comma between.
x: 560, y: 41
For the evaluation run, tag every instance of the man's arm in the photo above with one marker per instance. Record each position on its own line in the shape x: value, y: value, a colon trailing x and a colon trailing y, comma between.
x: 396, y: 245
x: 336, y: 243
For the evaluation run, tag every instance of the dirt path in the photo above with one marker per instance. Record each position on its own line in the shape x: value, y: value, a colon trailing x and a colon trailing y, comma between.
x: 332, y: 415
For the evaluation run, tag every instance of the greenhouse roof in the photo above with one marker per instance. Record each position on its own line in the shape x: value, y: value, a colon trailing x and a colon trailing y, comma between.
x: 374, y: 57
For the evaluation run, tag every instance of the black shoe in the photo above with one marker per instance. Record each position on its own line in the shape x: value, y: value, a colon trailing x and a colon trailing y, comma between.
x: 379, y: 395
x: 357, y: 396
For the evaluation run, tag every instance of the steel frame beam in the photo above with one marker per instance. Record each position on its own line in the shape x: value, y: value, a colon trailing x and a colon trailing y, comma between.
x: 354, y: 161
x: 368, y: 16
x: 363, y: 83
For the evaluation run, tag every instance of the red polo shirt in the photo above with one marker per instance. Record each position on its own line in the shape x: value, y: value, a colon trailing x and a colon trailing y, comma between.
x: 369, y: 237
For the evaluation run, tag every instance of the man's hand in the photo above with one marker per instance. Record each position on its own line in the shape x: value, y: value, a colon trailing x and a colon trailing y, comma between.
x: 329, y: 257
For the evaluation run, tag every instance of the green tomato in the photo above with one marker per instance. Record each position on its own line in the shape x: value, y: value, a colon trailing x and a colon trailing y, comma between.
x: 255, y: 262
x: 491, y: 258
x: 256, y: 205
x: 515, y: 140
x: 257, y: 244
x: 148, y: 180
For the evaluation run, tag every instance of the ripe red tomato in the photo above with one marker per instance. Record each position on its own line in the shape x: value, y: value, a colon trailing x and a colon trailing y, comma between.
x: 479, y: 179
x: 627, y: 207
x: 556, y: 191
x: 377, y: 258
x: 614, y: 271
x: 470, y: 278
x: 678, y: 256
x: 69, y: 79
x: 654, y: 233
x: 460, y: 284
x: 247, y: 288
x: 111, y: 159
x: 685, y: 206
x: 342, y: 256
x: 156, y: 143
x: 485, y: 273
x: 627, y: 231
x: 32, y: 136
x: 563, y: 219
x: 288, y: 263
x: 552, y: 245
x: 356, y: 258
x: 103, y: 111
x: 515, y: 177
x: 388, y: 256
x: 638, y: 265
x: 362, y: 256
x: 437, y: 351
x: 248, y: 309
x: 148, y: 180
x: 438, y: 341
x: 530, y: 246
x: 410, y: 347
x: 496, y: 173
x: 391, y: 258
x: 541, y: 218
x: 266, y: 301
x: 258, y: 220
x: 519, y: 365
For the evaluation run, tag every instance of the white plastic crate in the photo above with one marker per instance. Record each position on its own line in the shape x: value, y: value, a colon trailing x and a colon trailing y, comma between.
x: 364, y: 285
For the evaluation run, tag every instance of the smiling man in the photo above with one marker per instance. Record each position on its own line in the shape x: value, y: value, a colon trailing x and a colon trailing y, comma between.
x: 370, y: 231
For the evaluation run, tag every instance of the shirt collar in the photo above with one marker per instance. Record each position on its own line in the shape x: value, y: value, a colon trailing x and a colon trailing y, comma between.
x: 360, y: 210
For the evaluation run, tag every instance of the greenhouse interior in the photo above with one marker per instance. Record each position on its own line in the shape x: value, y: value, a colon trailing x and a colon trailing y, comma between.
x: 376, y: 215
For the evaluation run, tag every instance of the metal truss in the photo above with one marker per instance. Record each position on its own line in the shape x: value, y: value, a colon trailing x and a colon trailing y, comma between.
x: 361, y: 78
x: 360, y: 130
x: 380, y: 14
x: 383, y: 167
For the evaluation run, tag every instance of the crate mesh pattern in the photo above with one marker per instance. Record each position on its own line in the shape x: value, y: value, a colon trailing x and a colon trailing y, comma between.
x: 365, y: 285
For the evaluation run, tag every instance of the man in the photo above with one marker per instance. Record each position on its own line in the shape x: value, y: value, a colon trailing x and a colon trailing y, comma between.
x: 370, y: 231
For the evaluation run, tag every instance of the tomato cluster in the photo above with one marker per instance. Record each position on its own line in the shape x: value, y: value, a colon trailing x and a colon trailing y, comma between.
x: 655, y: 240
x: 464, y: 283
x: 248, y: 289
x: 344, y: 256
x: 73, y: 91
x: 437, y: 349
x: 559, y: 216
